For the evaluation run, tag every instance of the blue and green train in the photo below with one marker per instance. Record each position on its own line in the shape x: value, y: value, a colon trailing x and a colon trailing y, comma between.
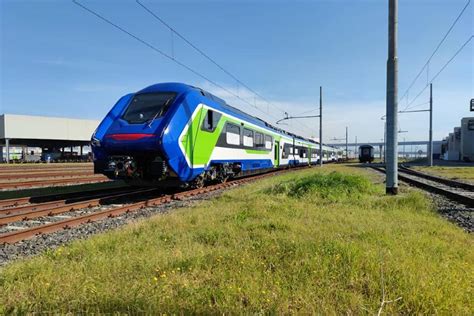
x: 176, y: 133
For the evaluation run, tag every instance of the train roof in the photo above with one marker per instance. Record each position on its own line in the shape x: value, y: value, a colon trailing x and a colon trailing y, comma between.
x: 183, y: 88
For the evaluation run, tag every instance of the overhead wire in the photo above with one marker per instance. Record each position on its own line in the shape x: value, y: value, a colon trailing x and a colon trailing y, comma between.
x: 414, y: 106
x: 440, y: 71
x: 162, y: 21
x: 306, y: 112
x: 436, y: 49
x: 168, y: 56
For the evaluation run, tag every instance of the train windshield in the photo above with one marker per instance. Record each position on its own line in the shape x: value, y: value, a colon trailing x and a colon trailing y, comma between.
x: 148, y: 106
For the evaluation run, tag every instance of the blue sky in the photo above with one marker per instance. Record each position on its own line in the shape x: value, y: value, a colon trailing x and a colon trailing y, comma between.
x: 59, y: 60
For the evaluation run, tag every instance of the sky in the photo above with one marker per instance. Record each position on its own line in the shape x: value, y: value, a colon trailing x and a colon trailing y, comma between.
x: 56, y: 59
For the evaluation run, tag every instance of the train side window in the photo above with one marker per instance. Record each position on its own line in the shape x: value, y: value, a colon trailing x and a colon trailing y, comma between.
x: 268, y: 142
x: 303, y: 152
x: 259, y: 140
x: 287, y: 148
x: 210, y: 121
x: 232, y: 134
x: 248, y: 138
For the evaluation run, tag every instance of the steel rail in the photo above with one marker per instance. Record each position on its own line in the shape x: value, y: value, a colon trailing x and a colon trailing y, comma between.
x: 451, y: 183
x: 45, y: 175
x: 68, y: 201
x: 42, y: 183
x: 20, y: 235
x: 454, y: 196
x: 14, y: 202
x: 4, y: 170
x: 51, y: 211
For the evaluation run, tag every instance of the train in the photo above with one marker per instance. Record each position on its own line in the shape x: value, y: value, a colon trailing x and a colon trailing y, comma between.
x: 366, y: 153
x: 178, y: 134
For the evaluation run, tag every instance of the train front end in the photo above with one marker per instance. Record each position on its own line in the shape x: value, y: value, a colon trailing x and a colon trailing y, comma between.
x: 128, y: 144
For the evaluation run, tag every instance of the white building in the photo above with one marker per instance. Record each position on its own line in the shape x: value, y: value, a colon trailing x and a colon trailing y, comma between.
x: 23, y: 135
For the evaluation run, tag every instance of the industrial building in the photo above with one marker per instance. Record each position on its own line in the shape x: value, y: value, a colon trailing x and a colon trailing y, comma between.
x: 31, y: 138
x: 459, y: 145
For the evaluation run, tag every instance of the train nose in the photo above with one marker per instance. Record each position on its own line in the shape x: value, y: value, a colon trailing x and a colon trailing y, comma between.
x: 123, y: 143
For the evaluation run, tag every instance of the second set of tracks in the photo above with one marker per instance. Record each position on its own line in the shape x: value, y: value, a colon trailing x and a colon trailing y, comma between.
x: 456, y: 191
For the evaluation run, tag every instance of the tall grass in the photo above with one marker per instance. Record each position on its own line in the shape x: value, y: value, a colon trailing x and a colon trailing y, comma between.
x: 332, y: 186
x: 306, y: 242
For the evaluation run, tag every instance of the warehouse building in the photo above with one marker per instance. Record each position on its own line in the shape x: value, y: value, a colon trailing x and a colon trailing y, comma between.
x: 459, y: 145
x: 31, y: 138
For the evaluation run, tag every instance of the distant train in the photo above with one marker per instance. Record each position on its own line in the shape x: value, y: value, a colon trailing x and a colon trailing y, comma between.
x: 173, y: 133
x: 366, y: 153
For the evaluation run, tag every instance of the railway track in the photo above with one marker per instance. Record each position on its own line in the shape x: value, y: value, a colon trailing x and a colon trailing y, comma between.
x: 41, y: 175
x: 6, y: 170
x: 51, y: 182
x: 454, y: 190
x: 20, y: 213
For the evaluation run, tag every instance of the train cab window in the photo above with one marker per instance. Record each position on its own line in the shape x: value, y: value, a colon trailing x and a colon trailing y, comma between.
x: 232, y: 134
x: 210, y: 121
x: 146, y: 107
x: 268, y: 142
x: 259, y: 140
x: 296, y: 151
x: 248, y: 138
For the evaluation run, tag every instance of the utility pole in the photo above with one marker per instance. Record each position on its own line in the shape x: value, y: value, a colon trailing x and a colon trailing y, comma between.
x: 391, y: 186
x: 430, y: 144
x: 355, y: 148
x: 404, y: 152
x: 287, y: 117
x: 347, y: 148
x: 7, y: 145
x: 321, y: 126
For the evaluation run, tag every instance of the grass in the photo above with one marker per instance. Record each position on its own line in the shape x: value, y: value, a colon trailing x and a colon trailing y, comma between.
x: 322, y: 241
x: 455, y: 173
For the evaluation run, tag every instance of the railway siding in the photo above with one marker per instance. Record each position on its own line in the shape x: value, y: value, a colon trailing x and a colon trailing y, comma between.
x: 321, y: 249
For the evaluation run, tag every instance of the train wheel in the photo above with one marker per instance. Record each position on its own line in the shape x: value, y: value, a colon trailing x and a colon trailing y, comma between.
x: 197, y: 183
x: 223, y: 179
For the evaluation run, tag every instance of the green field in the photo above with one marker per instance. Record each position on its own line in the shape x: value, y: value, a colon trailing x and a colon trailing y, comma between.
x: 455, y: 173
x: 312, y: 241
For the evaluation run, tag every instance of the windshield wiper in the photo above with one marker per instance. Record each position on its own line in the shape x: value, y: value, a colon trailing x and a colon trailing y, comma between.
x: 159, y: 112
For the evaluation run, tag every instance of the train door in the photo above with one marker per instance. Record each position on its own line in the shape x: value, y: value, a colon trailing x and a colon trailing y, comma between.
x: 277, y: 153
x: 294, y: 152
